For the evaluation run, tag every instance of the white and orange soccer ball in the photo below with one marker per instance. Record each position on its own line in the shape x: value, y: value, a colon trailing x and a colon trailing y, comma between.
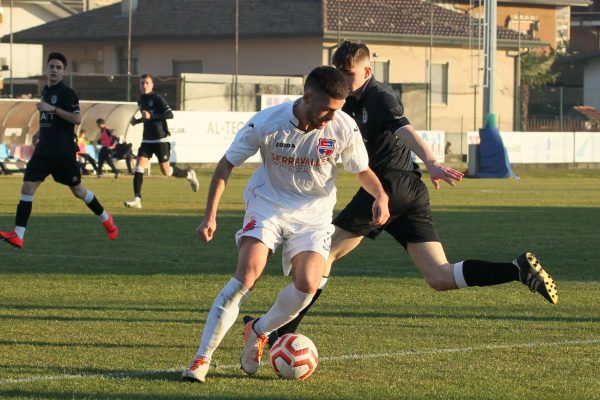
x: 294, y: 356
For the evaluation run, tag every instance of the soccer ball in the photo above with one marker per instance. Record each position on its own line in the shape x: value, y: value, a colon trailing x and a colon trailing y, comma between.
x: 294, y: 356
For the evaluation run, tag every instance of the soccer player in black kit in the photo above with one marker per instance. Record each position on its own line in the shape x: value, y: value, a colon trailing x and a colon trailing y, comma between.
x: 55, y: 154
x: 155, y: 113
x: 389, y: 139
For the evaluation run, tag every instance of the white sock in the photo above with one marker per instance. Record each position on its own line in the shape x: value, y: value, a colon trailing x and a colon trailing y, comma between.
x: 323, y: 282
x: 221, y: 317
x: 20, y: 231
x: 170, y: 173
x: 288, y: 305
x: 459, y: 278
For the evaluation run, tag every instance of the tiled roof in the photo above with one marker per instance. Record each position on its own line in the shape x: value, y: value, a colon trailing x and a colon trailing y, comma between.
x: 589, y: 112
x: 402, y: 17
x: 205, y: 19
x: 189, y: 19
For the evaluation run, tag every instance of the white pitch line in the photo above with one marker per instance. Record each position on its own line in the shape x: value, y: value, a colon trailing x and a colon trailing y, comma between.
x: 103, y: 258
x: 347, y: 357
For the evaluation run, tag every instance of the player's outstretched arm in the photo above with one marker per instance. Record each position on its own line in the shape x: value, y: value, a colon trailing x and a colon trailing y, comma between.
x: 371, y: 184
x: 218, y: 182
x: 409, y: 136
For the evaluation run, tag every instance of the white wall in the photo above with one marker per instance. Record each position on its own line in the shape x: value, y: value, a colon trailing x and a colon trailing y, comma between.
x: 548, y: 147
x: 27, y: 58
x: 255, y: 57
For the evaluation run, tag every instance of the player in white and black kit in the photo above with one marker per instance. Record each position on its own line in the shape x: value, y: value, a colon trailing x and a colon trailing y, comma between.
x: 155, y: 113
x: 289, y: 202
x: 389, y: 139
x: 55, y: 153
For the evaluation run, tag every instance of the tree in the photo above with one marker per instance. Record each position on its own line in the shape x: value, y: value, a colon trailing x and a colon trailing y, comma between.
x: 536, y: 70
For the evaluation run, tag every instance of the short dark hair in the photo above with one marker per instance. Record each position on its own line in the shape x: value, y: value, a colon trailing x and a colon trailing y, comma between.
x: 99, y: 121
x: 57, y: 56
x: 350, y: 53
x: 144, y: 76
x: 327, y: 80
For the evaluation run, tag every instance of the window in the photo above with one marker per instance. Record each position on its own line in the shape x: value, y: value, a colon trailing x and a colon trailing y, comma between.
x: 439, y: 83
x: 381, y: 71
x: 122, y: 53
x: 84, y: 67
x: 190, y: 66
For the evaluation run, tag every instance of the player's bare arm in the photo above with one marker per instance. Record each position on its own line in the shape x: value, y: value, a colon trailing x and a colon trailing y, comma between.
x: 409, y: 136
x: 371, y: 184
x: 74, y: 118
x: 218, y: 182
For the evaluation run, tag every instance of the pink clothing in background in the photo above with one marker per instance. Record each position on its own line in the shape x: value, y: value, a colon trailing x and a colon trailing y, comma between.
x: 106, y: 140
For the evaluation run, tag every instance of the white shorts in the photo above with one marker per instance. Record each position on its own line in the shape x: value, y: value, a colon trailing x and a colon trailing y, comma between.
x: 267, y: 225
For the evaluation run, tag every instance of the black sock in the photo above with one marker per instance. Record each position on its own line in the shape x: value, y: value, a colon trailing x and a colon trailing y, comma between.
x: 23, y: 213
x: 138, y: 178
x: 291, y: 326
x: 179, y: 173
x: 486, y: 273
x: 95, y: 206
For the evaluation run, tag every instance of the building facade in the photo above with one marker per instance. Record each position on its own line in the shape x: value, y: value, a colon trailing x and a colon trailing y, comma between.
x: 432, y: 54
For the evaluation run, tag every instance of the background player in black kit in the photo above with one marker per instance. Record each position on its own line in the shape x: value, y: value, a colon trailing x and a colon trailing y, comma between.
x: 389, y: 139
x: 55, y: 153
x: 155, y: 113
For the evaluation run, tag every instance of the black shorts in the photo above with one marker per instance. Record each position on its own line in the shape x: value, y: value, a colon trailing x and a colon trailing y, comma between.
x: 162, y: 151
x: 64, y: 169
x: 410, y: 212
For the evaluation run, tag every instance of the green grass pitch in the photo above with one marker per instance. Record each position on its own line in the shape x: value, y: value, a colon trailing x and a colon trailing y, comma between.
x: 85, y: 318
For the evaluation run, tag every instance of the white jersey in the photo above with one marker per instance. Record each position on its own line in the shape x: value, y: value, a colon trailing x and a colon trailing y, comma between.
x: 298, y: 168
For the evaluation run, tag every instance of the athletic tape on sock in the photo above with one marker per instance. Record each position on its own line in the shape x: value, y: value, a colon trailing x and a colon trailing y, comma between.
x: 459, y: 278
x: 89, y: 196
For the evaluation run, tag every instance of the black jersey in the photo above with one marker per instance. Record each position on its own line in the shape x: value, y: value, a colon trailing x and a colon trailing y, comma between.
x: 156, y: 127
x: 57, y: 136
x: 379, y: 114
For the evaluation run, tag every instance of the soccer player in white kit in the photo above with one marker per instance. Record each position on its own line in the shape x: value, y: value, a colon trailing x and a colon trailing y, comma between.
x: 289, y: 201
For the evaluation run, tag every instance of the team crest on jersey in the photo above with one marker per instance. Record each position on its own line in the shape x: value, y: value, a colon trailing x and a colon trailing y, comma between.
x: 150, y: 103
x: 326, y: 147
x: 365, y: 116
x: 53, y: 99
